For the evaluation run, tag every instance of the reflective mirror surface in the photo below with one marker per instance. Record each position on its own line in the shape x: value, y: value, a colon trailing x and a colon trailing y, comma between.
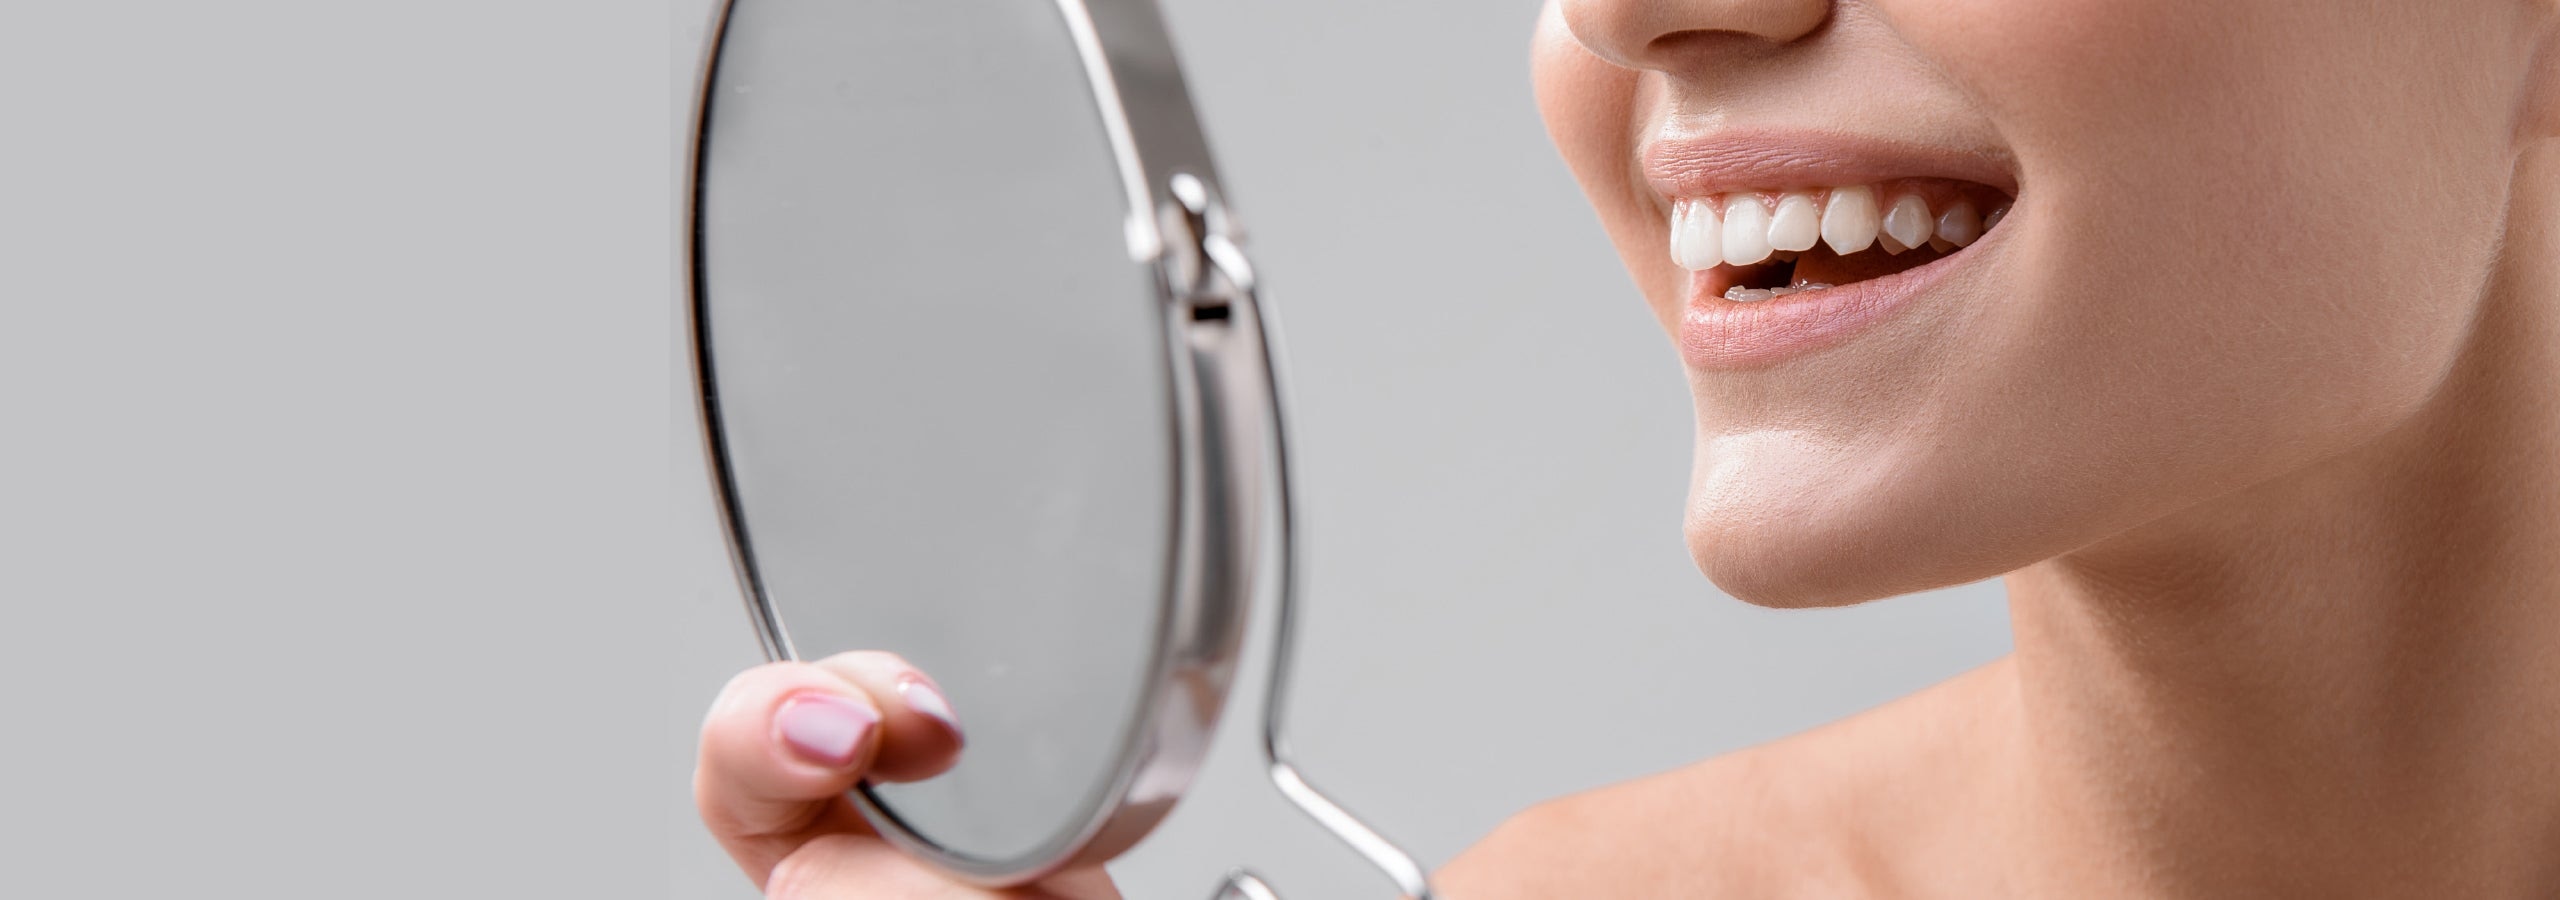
x: 940, y: 384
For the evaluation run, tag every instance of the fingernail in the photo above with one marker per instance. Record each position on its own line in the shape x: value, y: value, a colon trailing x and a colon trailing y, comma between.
x: 922, y: 696
x: 824, y: 729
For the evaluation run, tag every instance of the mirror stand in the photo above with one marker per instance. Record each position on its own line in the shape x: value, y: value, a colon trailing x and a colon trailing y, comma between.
x: 1229, y: 261
x: 1224, y: 274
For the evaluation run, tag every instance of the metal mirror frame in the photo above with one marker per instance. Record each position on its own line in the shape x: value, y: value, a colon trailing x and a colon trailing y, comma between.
x: 1231, y: 468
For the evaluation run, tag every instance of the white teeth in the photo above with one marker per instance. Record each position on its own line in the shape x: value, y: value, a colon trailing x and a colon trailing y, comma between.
x: 1908, y: 221
x: 1746, y: 230
x: 1958, y: 225
x: 1846, y: 218
x: 1798, y: 223
x: 1679, y: 220
x: 1849, y: 220
x: 1740, y: 294
x: 1695, y: 236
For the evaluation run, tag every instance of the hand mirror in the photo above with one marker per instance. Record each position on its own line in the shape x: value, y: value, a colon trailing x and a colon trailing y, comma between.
x: 984, y: 382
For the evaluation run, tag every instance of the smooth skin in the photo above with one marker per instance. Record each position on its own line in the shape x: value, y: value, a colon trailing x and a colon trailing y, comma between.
x: 2256, y: 407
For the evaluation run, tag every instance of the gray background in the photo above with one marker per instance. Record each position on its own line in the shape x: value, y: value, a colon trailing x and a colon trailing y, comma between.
x: 333, y: 429
x: 1494, y: 436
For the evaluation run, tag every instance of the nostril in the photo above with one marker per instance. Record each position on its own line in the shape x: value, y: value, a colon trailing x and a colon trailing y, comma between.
x: 1679, y: 36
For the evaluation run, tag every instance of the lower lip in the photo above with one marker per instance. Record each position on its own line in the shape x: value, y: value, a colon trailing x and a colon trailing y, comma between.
x: 1721, y: 334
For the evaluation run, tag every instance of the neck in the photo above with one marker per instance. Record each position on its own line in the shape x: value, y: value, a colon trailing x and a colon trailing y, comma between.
x: 2343, y: 683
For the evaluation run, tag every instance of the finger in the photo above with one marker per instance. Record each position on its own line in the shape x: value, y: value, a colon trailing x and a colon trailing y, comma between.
x: 846, y: 866
x: 1082, y: 884
x: 780, y: 748
x: 921, y: 735
x: 842, y: 867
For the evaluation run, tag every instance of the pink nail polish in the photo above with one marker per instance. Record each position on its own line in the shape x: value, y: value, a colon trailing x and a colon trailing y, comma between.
x: 823, y: 729
x: 922, y: 696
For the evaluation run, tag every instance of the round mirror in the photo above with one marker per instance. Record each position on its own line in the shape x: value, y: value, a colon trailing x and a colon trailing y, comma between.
x: 962, y: 369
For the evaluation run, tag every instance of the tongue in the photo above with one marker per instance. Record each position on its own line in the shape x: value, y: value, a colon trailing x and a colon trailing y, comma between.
x: 1822, y: 265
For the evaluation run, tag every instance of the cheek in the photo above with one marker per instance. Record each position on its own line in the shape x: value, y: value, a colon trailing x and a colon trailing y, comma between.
x: 2245, y: 142
x: 1594, y: 113
x: 2248, y: 216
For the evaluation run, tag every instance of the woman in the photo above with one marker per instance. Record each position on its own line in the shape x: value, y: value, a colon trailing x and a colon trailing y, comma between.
x: 2229, y: 331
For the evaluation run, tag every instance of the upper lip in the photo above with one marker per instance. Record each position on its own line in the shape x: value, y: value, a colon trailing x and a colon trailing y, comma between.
x: 1736, y: 159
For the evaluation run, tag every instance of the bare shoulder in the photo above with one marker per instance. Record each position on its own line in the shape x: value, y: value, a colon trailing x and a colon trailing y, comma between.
x: 1839, y: 811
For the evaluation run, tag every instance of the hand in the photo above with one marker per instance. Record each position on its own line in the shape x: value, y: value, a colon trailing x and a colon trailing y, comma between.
x: 783, y: 744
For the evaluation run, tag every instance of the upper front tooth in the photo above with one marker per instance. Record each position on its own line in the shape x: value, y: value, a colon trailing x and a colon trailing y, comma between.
x: 1959, y: 225
x: 1908, y: 221
x: 1695, y: 235
x: 1849, y: 219
x: 1679, y: 218
x: 1798, y: 223
x: 1746, y: 230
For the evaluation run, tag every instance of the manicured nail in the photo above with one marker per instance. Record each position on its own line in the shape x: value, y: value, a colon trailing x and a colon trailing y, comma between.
x: 824, y: 729
x: 922, y: 696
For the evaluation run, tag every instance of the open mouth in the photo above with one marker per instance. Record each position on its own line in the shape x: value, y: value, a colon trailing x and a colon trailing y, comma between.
x: 1754, y: 246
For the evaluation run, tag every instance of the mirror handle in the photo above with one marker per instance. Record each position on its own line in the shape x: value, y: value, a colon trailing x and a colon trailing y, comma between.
x: 1217, y: 239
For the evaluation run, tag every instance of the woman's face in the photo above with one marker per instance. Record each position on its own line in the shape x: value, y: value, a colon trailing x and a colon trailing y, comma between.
x: 2242, y: 236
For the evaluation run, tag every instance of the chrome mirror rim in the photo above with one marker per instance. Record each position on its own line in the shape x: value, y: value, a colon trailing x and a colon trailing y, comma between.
x: 1221, y: 402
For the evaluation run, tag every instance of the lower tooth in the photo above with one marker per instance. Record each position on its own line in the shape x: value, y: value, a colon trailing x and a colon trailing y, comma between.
x: 1740, y: 294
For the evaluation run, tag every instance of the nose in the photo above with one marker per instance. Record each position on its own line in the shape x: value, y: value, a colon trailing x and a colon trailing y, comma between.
x: 1665, y: 34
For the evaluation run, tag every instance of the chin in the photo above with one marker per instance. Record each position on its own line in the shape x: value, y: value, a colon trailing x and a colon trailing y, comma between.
x: 1777, y: 524
x: 1781, y: 570
x: 1762, y: 555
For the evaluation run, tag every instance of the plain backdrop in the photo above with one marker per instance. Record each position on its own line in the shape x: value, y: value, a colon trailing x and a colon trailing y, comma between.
x: 333, y: 473
x: 353, y: 545
x: 1494, y: 439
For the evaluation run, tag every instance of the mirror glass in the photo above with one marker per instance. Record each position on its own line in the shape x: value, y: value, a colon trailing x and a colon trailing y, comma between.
x: 941, y: 385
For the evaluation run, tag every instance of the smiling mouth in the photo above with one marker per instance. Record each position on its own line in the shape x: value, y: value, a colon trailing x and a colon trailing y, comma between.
x: 1796, y: 241
x: 1754, y: 246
